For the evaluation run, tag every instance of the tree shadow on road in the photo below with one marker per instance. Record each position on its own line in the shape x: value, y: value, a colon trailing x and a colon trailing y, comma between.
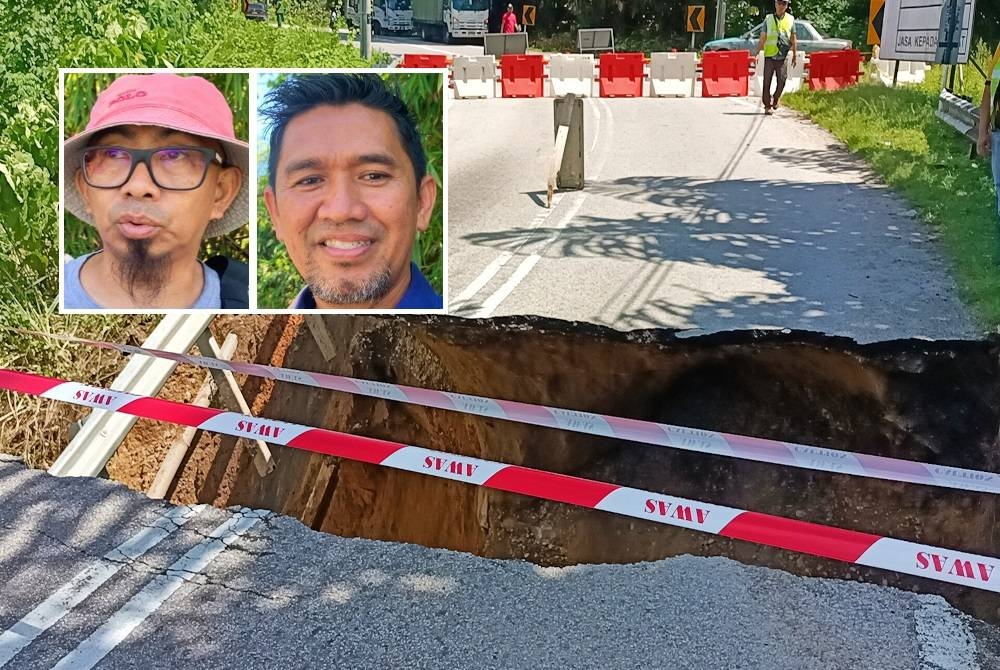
x: 833, y: 159
x: 834, y: 257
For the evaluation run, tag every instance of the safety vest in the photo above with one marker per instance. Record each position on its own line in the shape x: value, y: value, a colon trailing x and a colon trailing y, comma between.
x: 995, y: 88
x: 774, y: 25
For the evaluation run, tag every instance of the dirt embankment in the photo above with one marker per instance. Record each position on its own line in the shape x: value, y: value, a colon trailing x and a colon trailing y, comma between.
x: 927, y: 401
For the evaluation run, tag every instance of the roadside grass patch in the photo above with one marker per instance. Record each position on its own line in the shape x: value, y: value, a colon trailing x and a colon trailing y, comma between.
x: 43, y: 35
x: 929, y: 164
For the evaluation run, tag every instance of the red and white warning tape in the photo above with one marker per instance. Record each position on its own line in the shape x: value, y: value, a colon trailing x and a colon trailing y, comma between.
x: 923, y: 560
x: 647, y: 432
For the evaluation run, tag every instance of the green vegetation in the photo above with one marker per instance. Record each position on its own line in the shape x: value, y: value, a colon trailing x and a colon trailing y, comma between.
x: 897, y: 132
x: 661, y: 23
x: 42, y: 36
x: 89, y: 33
x: 277, y: 279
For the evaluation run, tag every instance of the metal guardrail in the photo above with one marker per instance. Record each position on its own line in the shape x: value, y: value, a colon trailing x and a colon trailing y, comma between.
x: 960, y: 114
x: 91, y: 448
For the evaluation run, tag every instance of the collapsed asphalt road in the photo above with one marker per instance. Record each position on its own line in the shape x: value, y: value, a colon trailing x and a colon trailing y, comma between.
x: 280, y: 595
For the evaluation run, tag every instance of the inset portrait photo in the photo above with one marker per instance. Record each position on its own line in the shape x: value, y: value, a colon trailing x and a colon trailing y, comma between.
x: 155, y: 191
x: 351, y: 203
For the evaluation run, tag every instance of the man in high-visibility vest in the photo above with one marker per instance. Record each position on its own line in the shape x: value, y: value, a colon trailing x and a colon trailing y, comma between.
x: 989, y: 122
x: 776, y: 39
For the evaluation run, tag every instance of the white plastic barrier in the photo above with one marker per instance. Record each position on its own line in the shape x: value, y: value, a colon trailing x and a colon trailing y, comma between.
x: 796, y: 73
x: 571, y: 73
x: 916, y: 72
x: 474, y: 76
x: 757, y: 77
x: 885, y: 68
x: 909, y: 72
x: 673, y: 74
x: 793, y: 82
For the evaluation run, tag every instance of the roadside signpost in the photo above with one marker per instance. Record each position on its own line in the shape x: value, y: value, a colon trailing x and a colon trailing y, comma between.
x: 928, y: 31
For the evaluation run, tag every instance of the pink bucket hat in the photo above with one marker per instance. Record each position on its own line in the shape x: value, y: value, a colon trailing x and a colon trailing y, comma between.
x: 191, y: 105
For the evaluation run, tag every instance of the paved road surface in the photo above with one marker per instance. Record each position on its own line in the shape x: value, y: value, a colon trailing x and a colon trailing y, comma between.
x: 697, y: 214
x: 397, y: 46
x: 282, y: 596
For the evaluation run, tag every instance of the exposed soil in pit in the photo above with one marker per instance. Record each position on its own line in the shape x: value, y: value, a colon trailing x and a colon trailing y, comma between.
x: 927, y: 401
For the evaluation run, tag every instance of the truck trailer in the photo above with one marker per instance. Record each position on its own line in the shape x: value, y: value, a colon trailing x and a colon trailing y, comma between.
x: 388, y: 16
x: 447, y: 20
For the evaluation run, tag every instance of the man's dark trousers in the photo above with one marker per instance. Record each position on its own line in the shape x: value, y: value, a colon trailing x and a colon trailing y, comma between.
x: 772, y: 67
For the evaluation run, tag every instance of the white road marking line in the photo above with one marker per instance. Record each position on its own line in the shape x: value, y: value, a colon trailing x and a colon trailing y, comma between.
x: 596, y: 109
x: 501, y: 293
x: 88, y: 580
x: 522, y: 270
x: 484, y: 277
x: 90, y: 652
x: 491, y: 303
x: 497, y: 264
x: 945, y: 641
x: 421, y: 46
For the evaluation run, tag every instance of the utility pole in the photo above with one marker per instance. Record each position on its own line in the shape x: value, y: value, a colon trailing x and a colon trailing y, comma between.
x: 720, y: 19
x: 366, y: 29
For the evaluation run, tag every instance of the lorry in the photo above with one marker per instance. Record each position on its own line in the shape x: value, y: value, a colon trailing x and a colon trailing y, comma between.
x: 446, y: 20
x: 388, y: 16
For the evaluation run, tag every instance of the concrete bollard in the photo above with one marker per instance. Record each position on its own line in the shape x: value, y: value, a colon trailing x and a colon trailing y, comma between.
x: 567, y: 164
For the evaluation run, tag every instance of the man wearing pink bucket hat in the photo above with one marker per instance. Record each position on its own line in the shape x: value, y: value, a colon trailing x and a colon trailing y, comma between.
x: 157, y: 169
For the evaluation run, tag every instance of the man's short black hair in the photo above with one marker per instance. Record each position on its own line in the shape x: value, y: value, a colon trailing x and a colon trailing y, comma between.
x: 300, y: 93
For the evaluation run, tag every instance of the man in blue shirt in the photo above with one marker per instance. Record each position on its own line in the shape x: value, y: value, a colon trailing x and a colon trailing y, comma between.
x: 348, y: 190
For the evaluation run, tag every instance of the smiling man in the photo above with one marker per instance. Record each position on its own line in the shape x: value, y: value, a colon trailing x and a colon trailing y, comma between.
x: 348, y: 190
x: 157, y: 169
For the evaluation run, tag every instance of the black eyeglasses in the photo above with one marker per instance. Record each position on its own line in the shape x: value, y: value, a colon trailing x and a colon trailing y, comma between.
x: 171, y: 168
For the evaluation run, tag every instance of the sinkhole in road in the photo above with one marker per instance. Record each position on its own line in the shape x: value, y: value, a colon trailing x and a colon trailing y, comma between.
x: 930, y: 401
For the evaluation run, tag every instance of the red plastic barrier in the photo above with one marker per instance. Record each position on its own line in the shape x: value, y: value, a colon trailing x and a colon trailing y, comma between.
x: 725, y: 73
x: 425, y: 60
x: 621, y: 75
x: 832, y: 70
x: 522, y: 75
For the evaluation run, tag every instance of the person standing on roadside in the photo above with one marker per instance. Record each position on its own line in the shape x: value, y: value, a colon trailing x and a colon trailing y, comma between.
x: 508, y: 24
x: 777, y: 38
x: 989, y: 123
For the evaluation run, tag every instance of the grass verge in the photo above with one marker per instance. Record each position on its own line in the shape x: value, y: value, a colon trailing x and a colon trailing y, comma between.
x: 927, y: 162
x: 37, y: 429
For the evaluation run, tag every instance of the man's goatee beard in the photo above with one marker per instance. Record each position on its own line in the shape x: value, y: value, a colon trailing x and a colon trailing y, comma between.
x: 370, y: 290
x: 143, y: 274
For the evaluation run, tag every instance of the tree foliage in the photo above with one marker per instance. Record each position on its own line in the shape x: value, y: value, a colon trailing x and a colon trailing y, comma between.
x: 664, y: 20
x: 44, y: 35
